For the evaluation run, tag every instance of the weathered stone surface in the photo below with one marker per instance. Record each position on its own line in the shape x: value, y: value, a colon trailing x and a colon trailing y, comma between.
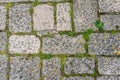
x: 51, y: 69
x: 3, y: 67
x: 111, y: 22
x: 109, y: 5
x: 20, y: 19
x: 108, y: 78
x: 63, y: 17
x: 24, y: 68
x: 78, y: 78
x: 109, y: 65
x: 79, y: 65
x: 43, y: 17
x: 85, y: 14
x: 3, y: 13
x: 24, y: 44
x: 50, y: 0
x: 104, y: 44
x: 15, y: 0
x: 63, y: 44
x: 3, y: 41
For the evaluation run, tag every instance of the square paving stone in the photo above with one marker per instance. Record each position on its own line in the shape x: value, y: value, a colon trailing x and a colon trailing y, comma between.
x: 109, y: 5
x: 109, y: 65
x: 63, y: 17
x: 26, y: 44
x: 20, y: 18
x: 79, y: 66
x: 108, y: 78
x: 43, y: 17
x: 78, y: 78
x: 15, y: 0
x: 51, y: 69
x: 63, y: 44
x: 111, y: 22
x: 3, y: 41
x: 3, y: 67
x: 3, y: 13
x: 85, y: 14
x: 104, y: 44
x: 24, y: 68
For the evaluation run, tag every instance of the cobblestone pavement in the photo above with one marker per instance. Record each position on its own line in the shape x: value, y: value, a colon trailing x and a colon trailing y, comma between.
x: 59, y: 39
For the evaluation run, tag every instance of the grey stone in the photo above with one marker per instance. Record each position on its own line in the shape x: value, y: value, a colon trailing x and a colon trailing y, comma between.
x: 108, y: 78
x: 3, y: 13
x: 104, y: 44
x: 78, y: 78
x: 109, y: 65
x: 50, y: 0
x: 43, y: 17
x: 63, y: 44
x: 79, y: 66
x: 15, y: 0
x: 63, y: 17
x: 24, y: 68
x: 20, y: 18
x: 26, y: 44
x: 85, y: 14
x: 111, y: 22
x: 3, y: 41
x: 109, y: 5
x: 51, y: 69
x: 3, y: 67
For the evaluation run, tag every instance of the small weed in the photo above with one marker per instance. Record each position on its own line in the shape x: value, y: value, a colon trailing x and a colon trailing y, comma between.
x: 99, y: 25
x: 87, y: 33
x: 36, y: 3
x: 8, y: 5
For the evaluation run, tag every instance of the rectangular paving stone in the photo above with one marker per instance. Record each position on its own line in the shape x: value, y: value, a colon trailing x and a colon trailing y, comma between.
x: 109, y: 65
x: 43, y: 17
x: 85, y: 14
x: 3, y: 67
x: 3, y: 13
x: 79, y: 66
x: 15, y: 0
x: 111, y: 22
x: 24, y: 68
x: 20, y: 18
x: 26, y: 44
x: 109, y: 5
x: 63, y: 44
x: 51, y: 69
x: 104, y: 44
x: 78, y: 78
x: 63, y: 17
x: 108, y: 78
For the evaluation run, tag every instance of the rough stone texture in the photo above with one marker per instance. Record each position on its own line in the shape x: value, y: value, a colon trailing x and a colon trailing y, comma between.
x: 43, y: 17
x: 50, y: 0
x: 108, y: 78
x: 85, y: 14
x: 24, y: 68
x: 109, y: 5
x: 3, y: 67
x: 111, y: 22
x: 63, y: 17
x: 15, y: 0
x: 51, y: 69
x: 3, y: 41
x: 109, y: 65
x: 20, y: 19
x: 78, y: 78
x: 79, y: 65
x: 24, y: 44
x: 104, y: 44
x: 3, y: 13
x: 63, y: 45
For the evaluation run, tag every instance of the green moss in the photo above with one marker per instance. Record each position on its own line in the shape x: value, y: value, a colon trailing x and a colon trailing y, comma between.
x: 99, y: 25
x: 46, y: 56
x: 8, y: 5
x: 87, y: 33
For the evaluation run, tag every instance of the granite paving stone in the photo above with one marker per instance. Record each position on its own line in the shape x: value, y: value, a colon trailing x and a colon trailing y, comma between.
x: 63, y: 44
x: 108, y: 78
x: 26, y: 44
x: 79, y: 66
x: 78, y: 78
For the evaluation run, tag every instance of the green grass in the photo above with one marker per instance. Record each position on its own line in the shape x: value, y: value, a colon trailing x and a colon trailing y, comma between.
x: 87, y: 33
x: 8, y: 5
x: 99, y: 25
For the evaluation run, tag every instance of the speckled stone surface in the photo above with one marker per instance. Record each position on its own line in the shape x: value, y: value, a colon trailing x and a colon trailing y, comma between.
x: 85, y: 14
x: 79, y: 66
x: 26, y: 44
x: 108, y: 78
x: 51, y: 69
x: 24, y: 68
x: 63, y: 17
x: 4, y: 1
x: 3, y: 13
x: 20, y: 18
x: 50, y: 0
x: 78, y: 78
x: 109, y: 65
x: 63, y: 45
x: 104, y: 44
